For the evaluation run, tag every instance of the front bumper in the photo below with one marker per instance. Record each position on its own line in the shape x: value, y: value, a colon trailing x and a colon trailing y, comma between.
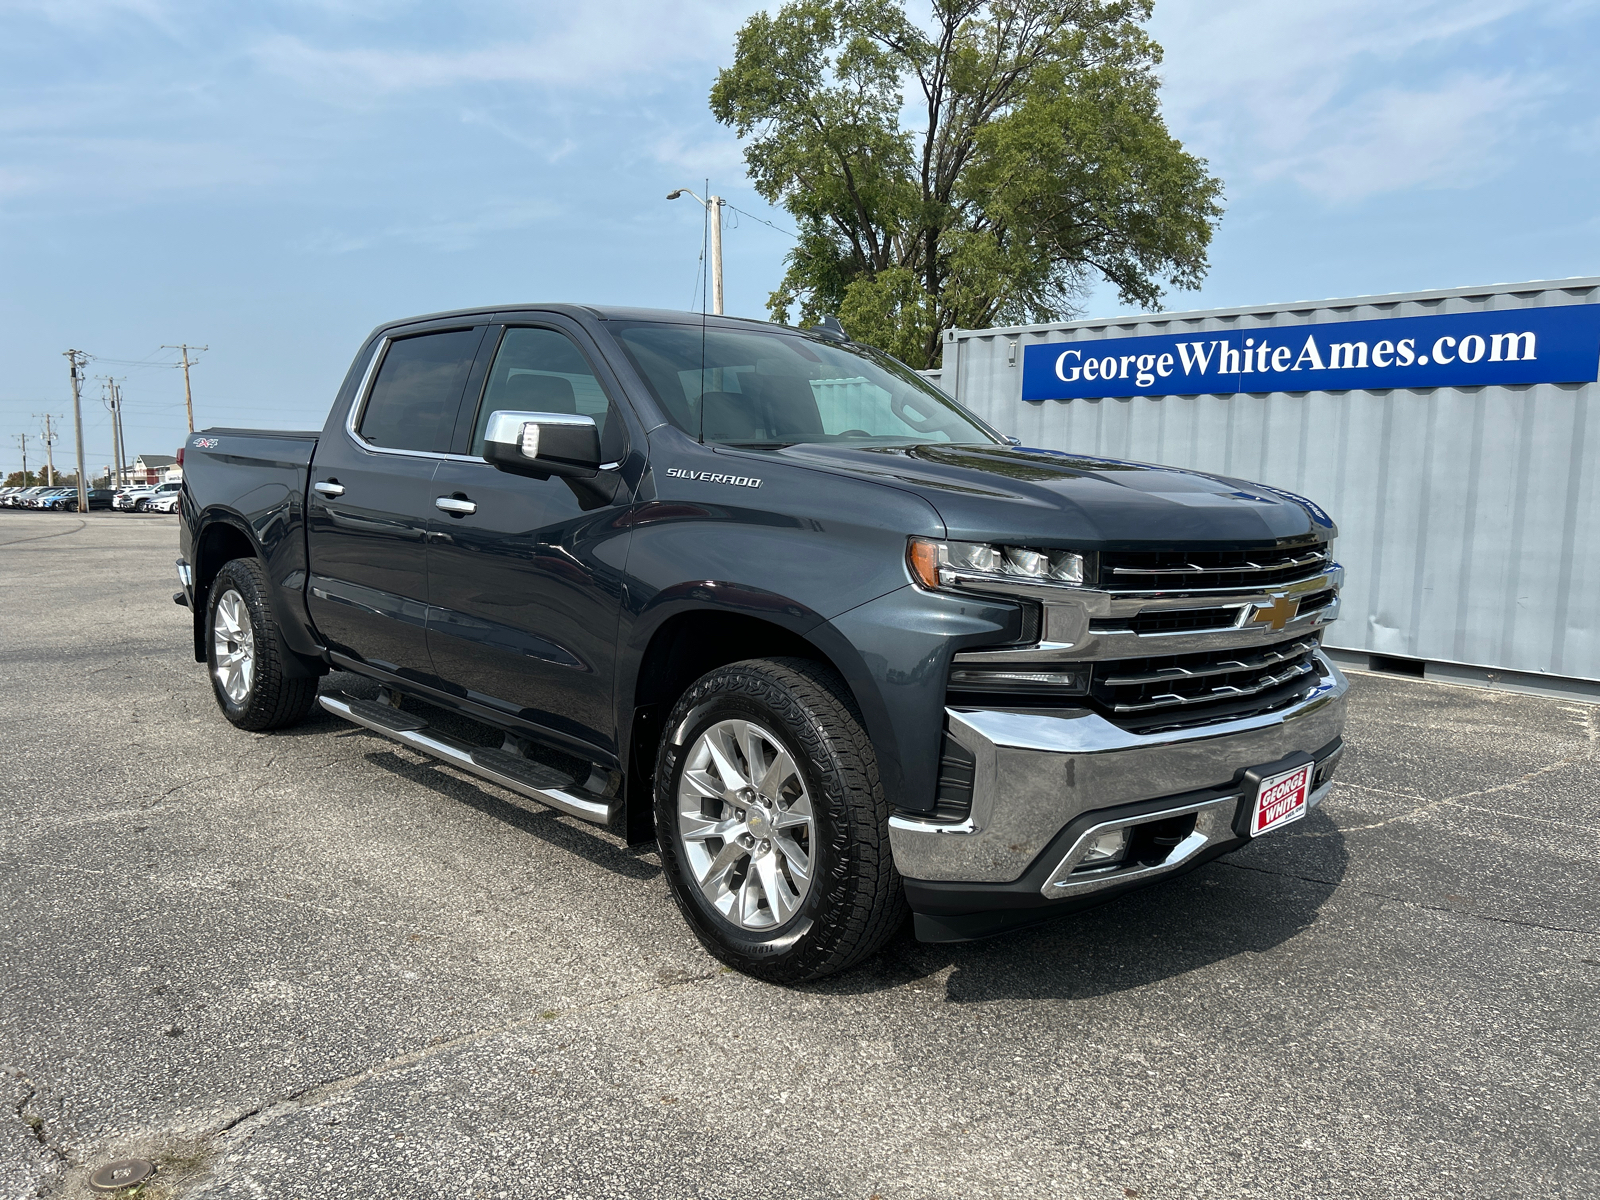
x: 1043, y: 780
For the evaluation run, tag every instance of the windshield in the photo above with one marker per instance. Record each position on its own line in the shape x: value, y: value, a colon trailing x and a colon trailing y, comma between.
x: 768, y: 388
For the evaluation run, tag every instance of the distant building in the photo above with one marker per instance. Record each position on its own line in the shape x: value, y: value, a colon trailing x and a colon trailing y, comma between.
x: 155, y: 468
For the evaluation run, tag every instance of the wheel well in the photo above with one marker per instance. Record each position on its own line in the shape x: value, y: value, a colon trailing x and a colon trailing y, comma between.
x: 682, y: 650
x: 219, y: 544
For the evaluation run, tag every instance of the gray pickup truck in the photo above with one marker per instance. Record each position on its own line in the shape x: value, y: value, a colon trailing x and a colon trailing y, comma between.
x: 768, y: 598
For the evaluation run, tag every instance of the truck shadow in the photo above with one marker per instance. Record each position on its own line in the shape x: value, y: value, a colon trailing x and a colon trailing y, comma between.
x: 535, y: 820
x: 1245, y: 903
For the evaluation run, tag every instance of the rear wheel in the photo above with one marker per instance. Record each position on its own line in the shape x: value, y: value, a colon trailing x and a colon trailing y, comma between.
x: 245, y: 655
x: 772, y: 823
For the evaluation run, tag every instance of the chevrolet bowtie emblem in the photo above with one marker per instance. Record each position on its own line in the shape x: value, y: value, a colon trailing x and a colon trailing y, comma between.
x: 1279, y: 613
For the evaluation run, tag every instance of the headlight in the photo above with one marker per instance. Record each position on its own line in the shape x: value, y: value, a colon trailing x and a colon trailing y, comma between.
x: 938, y: 565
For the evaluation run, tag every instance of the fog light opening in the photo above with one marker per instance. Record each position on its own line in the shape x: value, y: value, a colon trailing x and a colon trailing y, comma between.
x: 1105, y: 851
x: 1152, y: 844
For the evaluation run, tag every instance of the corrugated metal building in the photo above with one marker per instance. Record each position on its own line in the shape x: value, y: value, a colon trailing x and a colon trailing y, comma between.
x: 1469, y: 514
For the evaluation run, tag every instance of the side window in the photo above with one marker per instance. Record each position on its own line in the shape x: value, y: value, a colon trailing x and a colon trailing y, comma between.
x: 540, y: 370
x: 415, y: 398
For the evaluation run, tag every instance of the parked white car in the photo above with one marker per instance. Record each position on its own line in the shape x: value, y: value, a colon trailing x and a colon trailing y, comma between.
x: 141, y: 499
x: 165, y: 502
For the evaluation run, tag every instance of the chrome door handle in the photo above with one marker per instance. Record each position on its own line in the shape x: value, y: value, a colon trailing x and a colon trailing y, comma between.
x: 456, y: 508
x: 328, y: 489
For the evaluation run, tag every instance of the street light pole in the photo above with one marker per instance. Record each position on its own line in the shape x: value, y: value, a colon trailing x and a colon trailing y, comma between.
x: 713, y: 206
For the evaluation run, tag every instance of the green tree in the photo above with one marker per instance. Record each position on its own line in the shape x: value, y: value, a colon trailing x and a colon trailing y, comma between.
x: 1035, y: 161
x: 37, y: 479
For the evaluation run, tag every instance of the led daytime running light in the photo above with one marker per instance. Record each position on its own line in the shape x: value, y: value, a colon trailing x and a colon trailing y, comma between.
x: 937, y: 565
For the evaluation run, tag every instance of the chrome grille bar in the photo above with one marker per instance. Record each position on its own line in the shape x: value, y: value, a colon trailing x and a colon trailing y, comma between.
x: 1225, y: 692
x: 1315, y: 559
x: 1251, y: 662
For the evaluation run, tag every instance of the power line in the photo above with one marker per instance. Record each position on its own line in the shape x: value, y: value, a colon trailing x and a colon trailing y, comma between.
x: 763, y: 221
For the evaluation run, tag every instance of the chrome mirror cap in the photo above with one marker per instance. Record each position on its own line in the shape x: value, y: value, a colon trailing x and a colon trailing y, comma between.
x: 543, y: 444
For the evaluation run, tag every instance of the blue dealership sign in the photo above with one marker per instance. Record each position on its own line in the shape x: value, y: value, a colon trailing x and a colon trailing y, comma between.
x: 1560, y: 344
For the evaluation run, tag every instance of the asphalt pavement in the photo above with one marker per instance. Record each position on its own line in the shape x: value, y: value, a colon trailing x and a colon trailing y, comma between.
x: 314, y: 964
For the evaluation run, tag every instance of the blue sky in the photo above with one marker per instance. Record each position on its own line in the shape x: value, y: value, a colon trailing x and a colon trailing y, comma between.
x: 274, y: 179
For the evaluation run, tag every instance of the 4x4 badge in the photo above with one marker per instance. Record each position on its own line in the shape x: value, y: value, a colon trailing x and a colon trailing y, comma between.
x: 1279, y: 613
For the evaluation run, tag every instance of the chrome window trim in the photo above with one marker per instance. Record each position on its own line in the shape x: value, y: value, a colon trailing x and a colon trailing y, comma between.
x: 358, y: 408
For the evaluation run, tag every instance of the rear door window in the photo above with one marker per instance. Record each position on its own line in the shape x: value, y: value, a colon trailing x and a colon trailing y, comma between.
x: 414, y: 400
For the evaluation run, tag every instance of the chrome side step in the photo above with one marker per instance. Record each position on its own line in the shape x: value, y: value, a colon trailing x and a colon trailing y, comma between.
x: 510, y: 771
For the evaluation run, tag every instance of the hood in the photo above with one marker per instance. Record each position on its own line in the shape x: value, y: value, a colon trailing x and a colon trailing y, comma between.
x: 1005, y: 493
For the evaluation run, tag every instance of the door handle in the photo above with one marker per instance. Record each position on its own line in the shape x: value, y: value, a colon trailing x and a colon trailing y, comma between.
x: 455, y: 507
x: 329, y: 489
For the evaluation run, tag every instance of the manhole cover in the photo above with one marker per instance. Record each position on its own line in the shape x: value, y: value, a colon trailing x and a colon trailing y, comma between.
x: 121, y: 1173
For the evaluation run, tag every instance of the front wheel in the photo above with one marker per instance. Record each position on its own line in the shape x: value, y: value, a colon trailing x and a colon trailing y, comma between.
x: 772, y: 823
x: 244, y: 654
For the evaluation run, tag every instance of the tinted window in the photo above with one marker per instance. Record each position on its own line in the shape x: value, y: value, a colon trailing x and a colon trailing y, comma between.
x: 540, y: 370
x: 752, y: 387
x: 417, y: 393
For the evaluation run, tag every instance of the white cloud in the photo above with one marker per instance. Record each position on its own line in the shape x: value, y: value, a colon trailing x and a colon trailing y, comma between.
x: 1394, y: 139
x: 447, y: 234
x: 715, y: 158
x: 1314, y: 93
x: 592, y: 48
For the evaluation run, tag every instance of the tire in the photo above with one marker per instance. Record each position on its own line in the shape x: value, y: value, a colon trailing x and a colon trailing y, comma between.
x: 245, y: 656
x: 819, y: 893
x: 141, y: 506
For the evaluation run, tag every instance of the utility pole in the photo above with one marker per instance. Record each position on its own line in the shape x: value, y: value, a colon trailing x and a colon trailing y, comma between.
x: 713, y: 206
x: 24, y: 438
x: 122, y: 441
x: 78, y: 358
x: 188, y: 397
x: 113, y: 401
x: 49, y: 452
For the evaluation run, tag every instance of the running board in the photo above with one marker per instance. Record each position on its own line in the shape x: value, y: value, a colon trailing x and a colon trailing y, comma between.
x: 510, y: 771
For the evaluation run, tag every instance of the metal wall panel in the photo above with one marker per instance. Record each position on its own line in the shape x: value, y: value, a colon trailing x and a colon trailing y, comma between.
x: 1469, y: 518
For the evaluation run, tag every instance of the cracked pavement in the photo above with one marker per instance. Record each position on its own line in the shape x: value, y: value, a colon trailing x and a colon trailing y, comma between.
x: 315, y: 964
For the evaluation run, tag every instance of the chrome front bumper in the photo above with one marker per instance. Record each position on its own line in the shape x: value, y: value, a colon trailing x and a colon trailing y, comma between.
x: 1038, y: 772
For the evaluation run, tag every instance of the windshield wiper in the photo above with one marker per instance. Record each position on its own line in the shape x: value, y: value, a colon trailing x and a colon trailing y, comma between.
x: 760, y: 445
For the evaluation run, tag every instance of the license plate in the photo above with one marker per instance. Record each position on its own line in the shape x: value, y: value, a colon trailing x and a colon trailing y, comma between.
x: 1281, y: 799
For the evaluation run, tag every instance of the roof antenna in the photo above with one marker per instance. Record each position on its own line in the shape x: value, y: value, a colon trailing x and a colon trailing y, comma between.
x: 830, y: 328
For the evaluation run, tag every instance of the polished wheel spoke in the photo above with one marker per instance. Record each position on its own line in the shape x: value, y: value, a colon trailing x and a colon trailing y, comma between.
x: 696, y: 828
x: 798, y: 813
x: 776, y: 775
x: 781, y: 898
x: 720, y: 748
x: 704, y: 783
x: 794, y: 857
x: 714, y: 883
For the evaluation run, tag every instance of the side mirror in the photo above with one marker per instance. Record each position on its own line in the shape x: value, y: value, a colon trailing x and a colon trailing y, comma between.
x: 543, y: 444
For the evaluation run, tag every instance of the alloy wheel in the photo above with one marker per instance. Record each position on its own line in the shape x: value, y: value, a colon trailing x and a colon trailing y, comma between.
x: 233, y: 642
x: 745, y: 818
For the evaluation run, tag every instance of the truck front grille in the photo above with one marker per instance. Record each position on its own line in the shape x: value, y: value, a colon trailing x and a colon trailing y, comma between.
x: 1196, y: 684
x: 1208, y: 570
